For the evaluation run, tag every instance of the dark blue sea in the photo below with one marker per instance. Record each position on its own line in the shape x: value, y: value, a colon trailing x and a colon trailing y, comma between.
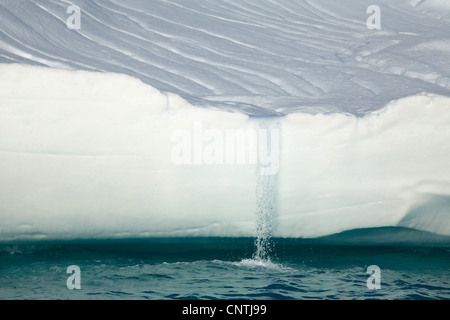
x: 334, y: 268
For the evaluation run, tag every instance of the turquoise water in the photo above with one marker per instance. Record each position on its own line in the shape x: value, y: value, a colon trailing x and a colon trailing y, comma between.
x: 222, y: 268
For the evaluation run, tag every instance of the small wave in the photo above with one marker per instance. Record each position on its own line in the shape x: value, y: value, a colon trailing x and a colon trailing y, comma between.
x: 244, y: 263
x: 261, y: 264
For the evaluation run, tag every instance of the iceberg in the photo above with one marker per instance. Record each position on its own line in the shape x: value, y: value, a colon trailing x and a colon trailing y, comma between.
x: 89, y: 155
x: 207, y: 118
x: 254, y: 57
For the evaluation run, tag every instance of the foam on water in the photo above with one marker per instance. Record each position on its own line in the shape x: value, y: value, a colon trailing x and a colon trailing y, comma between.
x: 262, y: 264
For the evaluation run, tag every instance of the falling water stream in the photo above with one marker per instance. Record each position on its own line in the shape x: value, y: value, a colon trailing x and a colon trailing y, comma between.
x: 265, y: 212
x: 266, y: 185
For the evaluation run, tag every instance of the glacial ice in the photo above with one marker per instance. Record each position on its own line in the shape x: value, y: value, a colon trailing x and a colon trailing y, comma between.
x: 89, y: 118
x: 88, y: 155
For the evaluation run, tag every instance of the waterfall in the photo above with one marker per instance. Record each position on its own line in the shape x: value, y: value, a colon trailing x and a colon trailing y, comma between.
x: 266, y: 184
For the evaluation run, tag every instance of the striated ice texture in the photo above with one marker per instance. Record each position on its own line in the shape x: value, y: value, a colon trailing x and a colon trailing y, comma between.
x: 258, y: 57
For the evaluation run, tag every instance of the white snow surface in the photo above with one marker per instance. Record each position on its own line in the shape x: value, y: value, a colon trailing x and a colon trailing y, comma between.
x: 253, y: 56
x: 87, y: 116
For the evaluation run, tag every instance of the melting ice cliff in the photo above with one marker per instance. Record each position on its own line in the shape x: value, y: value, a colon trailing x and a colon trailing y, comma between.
x: 88, y: 155
x: 363, y: 117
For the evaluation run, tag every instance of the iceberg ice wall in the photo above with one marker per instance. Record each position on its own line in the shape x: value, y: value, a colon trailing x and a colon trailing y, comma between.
x: 89, y: 155
x: 88, y: 116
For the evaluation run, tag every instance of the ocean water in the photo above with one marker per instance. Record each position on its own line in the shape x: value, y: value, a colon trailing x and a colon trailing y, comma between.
x: 222, y: 268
